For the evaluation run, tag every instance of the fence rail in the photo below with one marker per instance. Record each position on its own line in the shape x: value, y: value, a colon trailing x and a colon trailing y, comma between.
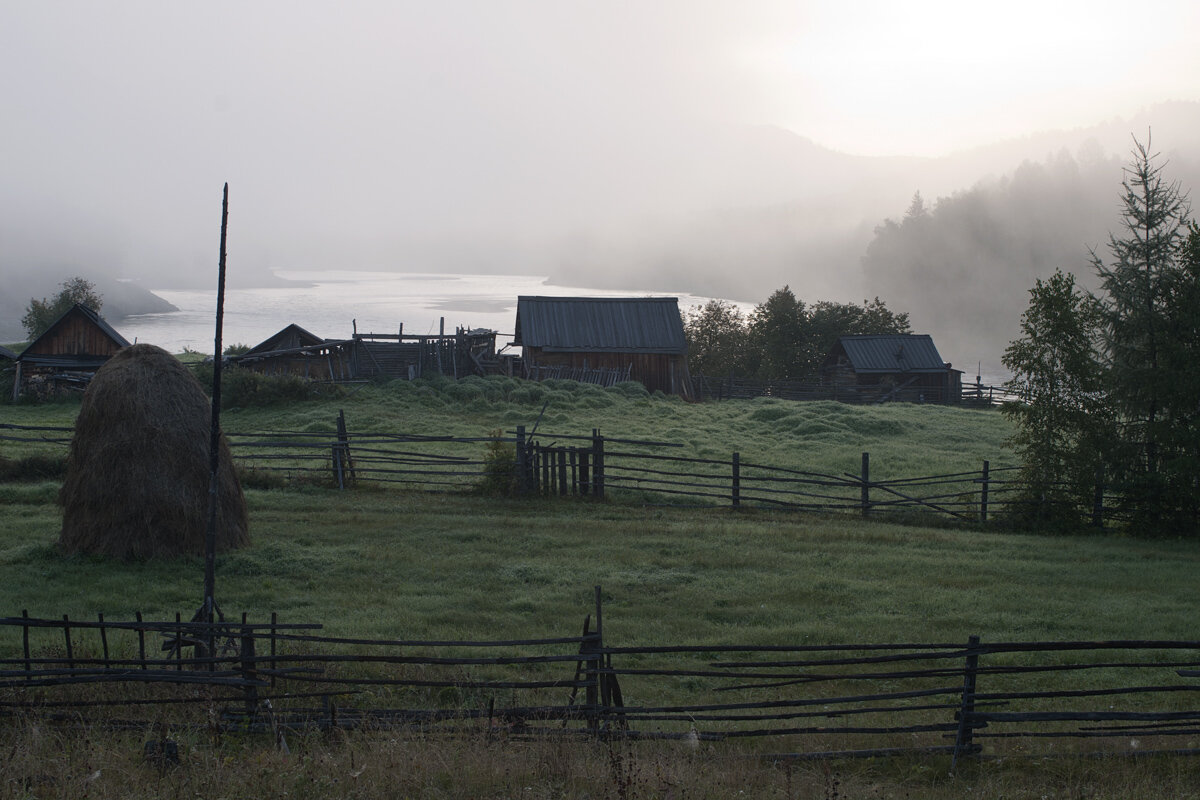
x: 956, y: 698
x: 708, y: 387
x: 596, y: 466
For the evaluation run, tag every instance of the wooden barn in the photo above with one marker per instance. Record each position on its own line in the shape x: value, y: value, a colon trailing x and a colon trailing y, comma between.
x: 366, y: 356
x: 604, y: 340
x: 292, y: 351
x: 892, y: 367
x: 67, y: 355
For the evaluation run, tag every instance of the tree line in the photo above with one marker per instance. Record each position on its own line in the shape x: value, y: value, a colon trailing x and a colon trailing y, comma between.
x: 783, y: 337
x: 1109, y: 380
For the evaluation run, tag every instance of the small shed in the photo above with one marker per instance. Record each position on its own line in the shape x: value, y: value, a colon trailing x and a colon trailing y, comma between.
x: 67, y: 355
x: 604, y: 340
x: 294, y: 351
x: 881, y: 368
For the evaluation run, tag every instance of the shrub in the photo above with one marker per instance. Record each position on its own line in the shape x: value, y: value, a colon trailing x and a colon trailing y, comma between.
x: 499, y: 467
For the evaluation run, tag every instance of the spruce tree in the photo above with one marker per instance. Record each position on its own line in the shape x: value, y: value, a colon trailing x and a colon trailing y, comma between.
x: 1140, y: 294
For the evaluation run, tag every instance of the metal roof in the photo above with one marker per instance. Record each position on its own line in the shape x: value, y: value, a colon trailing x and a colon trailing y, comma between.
x: 6, y: 353
x: 600, y: 324
x: 911, y: 352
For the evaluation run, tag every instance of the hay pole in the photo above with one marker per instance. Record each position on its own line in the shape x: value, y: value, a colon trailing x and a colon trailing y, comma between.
x: 210, y: 539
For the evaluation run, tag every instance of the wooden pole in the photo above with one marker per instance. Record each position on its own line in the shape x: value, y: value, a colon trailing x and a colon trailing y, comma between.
x: 25, y: 640
x: 963, y: 743
x: 737, y: 480
x: 866, y: 484
x: 522, y: 462
x: 210, y: 539
x: 597, y: 464
x: 983, y: 495
x: 1098, y: 499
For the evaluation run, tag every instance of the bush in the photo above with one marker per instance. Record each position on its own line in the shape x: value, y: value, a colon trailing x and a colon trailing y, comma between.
x: 499, y: 467
x: 244, y: 388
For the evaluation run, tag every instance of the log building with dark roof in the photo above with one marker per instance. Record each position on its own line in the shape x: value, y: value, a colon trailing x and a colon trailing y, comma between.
x: 889, y: 367
x: 67, y: 355
x: 604, y: 340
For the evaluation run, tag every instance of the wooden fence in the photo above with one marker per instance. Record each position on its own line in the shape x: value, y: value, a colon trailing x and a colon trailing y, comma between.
x: 598, y: 466
x: 707, y: 387
x: 955, y: 698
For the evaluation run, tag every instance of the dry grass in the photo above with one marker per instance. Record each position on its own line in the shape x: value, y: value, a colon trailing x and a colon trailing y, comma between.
x: 46, y: 761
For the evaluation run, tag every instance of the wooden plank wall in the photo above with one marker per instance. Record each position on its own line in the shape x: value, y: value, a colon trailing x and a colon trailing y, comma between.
x: 76, y: 336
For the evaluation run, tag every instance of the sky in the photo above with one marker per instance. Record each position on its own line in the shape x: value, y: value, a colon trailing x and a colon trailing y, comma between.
x: 377, y: 132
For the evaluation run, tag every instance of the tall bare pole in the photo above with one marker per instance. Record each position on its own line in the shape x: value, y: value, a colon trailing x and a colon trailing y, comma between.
x: 210, y: 539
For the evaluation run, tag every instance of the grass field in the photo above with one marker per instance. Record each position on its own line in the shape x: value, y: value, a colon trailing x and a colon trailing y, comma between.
x: 408, y: 565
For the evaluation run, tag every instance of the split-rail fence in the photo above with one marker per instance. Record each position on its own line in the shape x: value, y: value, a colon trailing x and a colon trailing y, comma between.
x: 959, y: 699
x: 525, y: 462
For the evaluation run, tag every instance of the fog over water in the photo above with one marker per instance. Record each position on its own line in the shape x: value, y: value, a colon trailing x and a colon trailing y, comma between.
x: 717, y: 149
x: 333, y: 304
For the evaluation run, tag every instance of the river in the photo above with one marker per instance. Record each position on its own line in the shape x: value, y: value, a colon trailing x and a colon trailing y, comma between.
x: 332, y: 304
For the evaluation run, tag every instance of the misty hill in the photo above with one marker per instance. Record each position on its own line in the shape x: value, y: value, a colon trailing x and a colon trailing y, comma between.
x: 121, y: 299
x: 995, y: 219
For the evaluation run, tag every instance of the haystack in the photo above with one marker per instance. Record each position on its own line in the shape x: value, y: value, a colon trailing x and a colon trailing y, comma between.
x: 138, y: 473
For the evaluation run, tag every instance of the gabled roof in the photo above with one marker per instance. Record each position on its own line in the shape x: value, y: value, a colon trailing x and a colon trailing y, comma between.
x: 76, y: 310
x: 600, y: 324
x: 910, y: 352
x: 7, y: 354
x: 290, y: 338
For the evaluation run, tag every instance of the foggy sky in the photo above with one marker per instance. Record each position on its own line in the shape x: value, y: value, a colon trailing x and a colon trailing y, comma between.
x: 480, y: 135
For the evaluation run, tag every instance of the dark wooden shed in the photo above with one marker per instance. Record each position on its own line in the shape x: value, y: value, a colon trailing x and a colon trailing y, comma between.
x: 67, y: 355
x: 295, y: 351
x: 882, y: 368
x: 604, y: 340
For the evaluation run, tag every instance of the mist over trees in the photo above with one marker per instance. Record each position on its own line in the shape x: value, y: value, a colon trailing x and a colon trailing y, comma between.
x: 1107, y: 380
x: 962, y: 265
x: 782, y: 338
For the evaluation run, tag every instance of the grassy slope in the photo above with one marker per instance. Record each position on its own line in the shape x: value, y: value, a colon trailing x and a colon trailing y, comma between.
x: 904, y: 440
x: 398, y: 564
x: 395, y: 564
x: 420, y: 565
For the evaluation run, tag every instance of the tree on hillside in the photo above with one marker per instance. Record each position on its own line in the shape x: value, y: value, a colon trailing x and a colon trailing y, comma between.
x: 1114, y: 374
x: 1060, y: 412
x: 778, y: 335
x: 41, y: 314
x: 783, y: 338
x: 1142, y: 290
x: 717, y: 340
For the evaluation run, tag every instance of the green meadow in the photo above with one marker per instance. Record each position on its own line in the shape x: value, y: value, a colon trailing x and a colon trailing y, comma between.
x: 380, y: 562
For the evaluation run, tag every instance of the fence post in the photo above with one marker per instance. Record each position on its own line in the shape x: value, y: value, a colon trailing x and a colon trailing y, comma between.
x: 866, y: 484
x: 563, y: 489
x: 25, y: 642
x: 737, y: 480
x: 343, y: 468
x: 983, y: 495
x: 103, y: 640
x: 249, y: 670
x: 522, y: 462
x: 594, y: 659
x: 963, y: 743
x: 67, y: 636
x: 1098, y: 499
x: 597, y: 463
x: 141, y: 639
